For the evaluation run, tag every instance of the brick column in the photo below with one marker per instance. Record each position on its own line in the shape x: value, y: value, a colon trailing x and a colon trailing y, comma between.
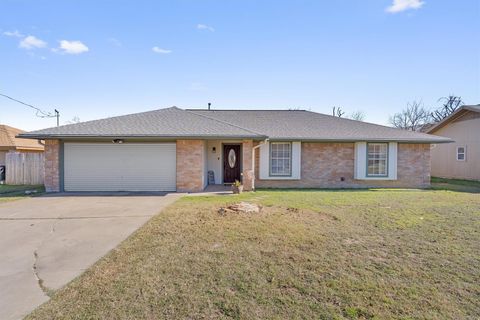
x: 52, y: 166
x: 247, y: 164
x: 190, y: 165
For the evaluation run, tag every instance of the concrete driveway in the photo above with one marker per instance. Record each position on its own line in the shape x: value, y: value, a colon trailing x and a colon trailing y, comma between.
x: 47, y: 241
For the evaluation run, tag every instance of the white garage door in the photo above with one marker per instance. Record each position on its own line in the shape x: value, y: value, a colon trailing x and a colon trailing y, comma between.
x: 120, y: 167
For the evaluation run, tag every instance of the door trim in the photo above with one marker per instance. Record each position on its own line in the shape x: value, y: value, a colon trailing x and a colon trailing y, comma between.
x: 223, y: 160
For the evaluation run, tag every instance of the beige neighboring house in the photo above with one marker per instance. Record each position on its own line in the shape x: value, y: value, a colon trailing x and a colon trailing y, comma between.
x: 459, y: 160
x: 9, y: 142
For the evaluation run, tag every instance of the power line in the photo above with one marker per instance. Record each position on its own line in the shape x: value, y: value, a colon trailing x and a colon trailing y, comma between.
x: 39, y: 112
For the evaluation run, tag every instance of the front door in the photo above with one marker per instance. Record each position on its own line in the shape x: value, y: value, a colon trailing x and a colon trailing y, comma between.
x: 231, y: 163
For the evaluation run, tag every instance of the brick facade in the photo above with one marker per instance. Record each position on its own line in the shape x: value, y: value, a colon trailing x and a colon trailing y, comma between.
x: 247, y: 163
x: 52, y: 166
x: 190, y: 165
x: 325, y: 164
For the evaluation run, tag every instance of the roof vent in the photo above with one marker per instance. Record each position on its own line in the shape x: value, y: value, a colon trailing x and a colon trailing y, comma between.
x: 209, y: 104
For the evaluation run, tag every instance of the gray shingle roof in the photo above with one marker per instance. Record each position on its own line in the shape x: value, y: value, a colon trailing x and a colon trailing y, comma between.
x: 169, y: 122
x: 306, y: 125
x: 255, y: 124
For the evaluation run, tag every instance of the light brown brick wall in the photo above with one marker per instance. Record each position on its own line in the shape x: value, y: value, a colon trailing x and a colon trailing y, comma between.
x: 52, y: 166
x: 324, y: 164
x: 190, y: 165
x: 247, y: 170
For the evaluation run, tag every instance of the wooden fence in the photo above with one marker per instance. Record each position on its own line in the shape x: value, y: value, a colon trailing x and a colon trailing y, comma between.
x: 24, y: 168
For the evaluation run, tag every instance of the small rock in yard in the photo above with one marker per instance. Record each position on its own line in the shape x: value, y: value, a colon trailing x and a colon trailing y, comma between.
x: 241, y: 207
x: 216, y: 245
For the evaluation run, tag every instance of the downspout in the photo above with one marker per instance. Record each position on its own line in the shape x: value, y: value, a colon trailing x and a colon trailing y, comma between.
x: 253, y: 160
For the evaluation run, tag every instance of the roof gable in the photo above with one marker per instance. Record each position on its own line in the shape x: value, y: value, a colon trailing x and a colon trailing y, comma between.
x: 9, y: 140
x: 460, y: 112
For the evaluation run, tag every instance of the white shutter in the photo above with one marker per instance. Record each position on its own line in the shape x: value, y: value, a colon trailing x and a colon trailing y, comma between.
x: 264, y: 160
x: 296, y: 160
x: 120, y: 167
x: 392, y: 161
x: 360, y: 160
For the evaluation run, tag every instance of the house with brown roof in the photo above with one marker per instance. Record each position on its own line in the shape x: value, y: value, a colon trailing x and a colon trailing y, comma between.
x: 461, y: 159
x: 10, y: 142
x: 174, y: 149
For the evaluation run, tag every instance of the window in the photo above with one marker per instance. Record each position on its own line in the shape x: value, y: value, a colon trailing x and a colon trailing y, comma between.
x: 377, y: 159
x: 280, y: 159
x: 461, y: 153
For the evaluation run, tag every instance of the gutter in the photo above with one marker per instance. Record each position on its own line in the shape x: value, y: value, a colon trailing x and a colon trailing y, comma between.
x: 133, y: 137
x: 434, y: 141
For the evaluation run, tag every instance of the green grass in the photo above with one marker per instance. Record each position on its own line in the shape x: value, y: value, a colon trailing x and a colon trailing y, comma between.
x: 15, y: 192
x: 455, y: 184
x: 379, y: 254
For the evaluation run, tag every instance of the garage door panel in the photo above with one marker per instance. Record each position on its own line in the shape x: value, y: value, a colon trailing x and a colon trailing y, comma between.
x: 119, y: 167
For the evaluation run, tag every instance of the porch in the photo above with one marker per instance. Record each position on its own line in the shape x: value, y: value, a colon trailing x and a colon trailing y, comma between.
x: 228, y: 161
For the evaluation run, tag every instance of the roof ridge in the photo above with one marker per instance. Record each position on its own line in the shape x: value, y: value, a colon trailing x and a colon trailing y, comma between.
x: 224, y: 122
x: 113, y: 117
x: 274, y: 110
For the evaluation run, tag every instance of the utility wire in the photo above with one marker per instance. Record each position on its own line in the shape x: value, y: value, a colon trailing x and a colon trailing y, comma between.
x: 39, y: 112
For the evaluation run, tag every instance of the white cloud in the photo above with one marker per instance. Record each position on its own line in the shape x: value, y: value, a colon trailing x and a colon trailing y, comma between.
x: 71, y: 47
x: 160, y: 50
x: 15, y: 34
x: 402, y: 5
x: 31, y: 42
x: 205, y: 27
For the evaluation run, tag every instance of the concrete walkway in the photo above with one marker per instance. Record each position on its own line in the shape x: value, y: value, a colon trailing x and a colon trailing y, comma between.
x: 47, y: 241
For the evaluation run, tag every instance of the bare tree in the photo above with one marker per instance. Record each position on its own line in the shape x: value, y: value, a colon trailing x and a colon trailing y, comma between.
x: 337, y: 112
x: 357, y: 115
x: 75, y: 119
x: 413, y: 118
x: 449, y: 105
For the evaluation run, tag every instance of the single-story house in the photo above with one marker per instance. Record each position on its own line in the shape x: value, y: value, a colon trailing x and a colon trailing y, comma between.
x: 460, y: 160
x: 9, y: 142
x: 173, y: 149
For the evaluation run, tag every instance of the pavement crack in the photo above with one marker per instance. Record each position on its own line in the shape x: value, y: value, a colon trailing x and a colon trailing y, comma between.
x: 41, y: 283
x: 49, y: 292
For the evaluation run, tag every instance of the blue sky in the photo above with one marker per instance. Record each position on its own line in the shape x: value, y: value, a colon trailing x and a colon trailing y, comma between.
x: 95, y: 59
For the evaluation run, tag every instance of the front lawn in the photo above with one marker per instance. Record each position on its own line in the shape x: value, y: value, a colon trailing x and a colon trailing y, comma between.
x: 379, y: 254
x: 15, y: 192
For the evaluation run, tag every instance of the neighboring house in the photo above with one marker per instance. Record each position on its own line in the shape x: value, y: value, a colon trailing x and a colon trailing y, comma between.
x: 173, y: 149
x: 9, y: 142
x: 461, y: 159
